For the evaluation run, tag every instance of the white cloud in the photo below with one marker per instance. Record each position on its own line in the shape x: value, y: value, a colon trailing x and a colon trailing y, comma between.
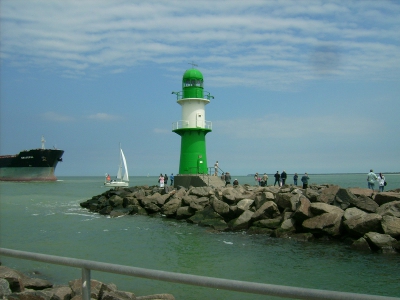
x: 56, y: 117
x: 266, y: 38
x: 103, y: 117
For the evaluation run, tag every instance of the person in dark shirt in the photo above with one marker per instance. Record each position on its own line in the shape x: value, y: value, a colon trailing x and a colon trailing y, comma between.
x: 277, y: 178
x: 305, y: 180
x: 227, y: 178
x: 295, y: 177
x: 283, y: 177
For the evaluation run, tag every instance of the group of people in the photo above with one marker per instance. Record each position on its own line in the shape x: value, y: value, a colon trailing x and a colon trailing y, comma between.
x: 372, y: 177
x: 280, y: 179
x: 163, y: 179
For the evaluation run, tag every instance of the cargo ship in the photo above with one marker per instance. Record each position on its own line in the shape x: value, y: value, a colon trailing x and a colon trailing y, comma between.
x: 31, y: 165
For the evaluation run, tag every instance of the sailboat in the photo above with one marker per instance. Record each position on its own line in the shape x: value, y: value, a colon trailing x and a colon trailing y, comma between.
x: 121, y: 180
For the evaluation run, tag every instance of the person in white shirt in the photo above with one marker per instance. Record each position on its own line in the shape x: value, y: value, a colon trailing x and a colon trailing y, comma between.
x: 381, y: 182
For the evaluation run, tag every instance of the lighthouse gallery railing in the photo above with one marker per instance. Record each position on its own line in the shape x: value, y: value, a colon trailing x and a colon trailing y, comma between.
x: 209, y: 282
x: 187, y: 124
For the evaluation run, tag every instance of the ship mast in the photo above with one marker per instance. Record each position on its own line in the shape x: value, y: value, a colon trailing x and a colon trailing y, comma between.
x: 43, y: 141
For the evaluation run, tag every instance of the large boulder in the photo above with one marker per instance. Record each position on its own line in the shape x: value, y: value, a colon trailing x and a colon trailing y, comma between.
x: 382, y: 242
x: 344, y: 198
x: 390, y: 209
x: 312, y: 195
x: 386, y: 197
x: 203, y: 191
x: 283, y: 200
x: 361, y: 244
x: 18, y: 282
x: 242, y: 222
x: 269, y: 223
x: 319, y: 208
x: 199, y: 203
x: 220, y: 207
x: 360, y: 192
x: 217, y: 224
x: 391, y: 226
x: 187, y: 199
x: 231, y: 195
x: 184, y: 212
x: 303, y: 211
x: 170, y: 208
x: 328, y: 194
x: 352, y: 212
x: 201, y: 215
x: 260, y: 199
x: 365, y: 203
x: 244, y: 204
x: 96, y: 288
x: 362, y: 224
x: 4, y: 289
x: 326, y: 223
x: 30, y: 295
x: 116, y: 201
x: 295, y: 201
x: 269, y: 210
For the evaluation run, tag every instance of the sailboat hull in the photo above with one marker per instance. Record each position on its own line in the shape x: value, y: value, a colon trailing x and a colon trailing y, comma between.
x: 116, y: 184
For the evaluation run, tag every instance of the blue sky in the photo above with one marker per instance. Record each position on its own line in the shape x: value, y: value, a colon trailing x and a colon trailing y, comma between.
x: 301, y: 86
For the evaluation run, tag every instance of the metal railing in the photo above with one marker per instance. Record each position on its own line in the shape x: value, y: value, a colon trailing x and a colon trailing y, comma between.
x: 187, y: 124
x: 203, y: 281
x: 206, y: 95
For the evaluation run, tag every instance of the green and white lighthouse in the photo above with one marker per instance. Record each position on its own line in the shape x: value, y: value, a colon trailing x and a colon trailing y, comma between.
x: 193, y: 126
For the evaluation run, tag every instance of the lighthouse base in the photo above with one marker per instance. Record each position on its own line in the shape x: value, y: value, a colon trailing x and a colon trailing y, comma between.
x: 188, y: 181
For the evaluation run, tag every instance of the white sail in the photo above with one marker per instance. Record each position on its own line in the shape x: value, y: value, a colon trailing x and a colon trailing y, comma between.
x: 126, y: 176
x: 119, y: 173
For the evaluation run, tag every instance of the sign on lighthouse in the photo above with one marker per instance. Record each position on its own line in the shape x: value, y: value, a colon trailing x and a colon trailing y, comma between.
x: 193, y: 126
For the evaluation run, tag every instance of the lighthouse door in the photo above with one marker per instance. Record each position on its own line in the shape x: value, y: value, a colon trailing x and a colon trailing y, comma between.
x: 199, y: 120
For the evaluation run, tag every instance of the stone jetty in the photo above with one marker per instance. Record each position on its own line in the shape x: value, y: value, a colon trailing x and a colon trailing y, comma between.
x: 361, y: 218
x: 15, y: 285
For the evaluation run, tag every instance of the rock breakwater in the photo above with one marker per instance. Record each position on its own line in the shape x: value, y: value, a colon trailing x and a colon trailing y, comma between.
x: 365, y: 220
x: 15, y: 285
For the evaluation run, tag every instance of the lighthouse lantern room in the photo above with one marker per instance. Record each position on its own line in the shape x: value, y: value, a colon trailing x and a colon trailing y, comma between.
x: 193, y: 126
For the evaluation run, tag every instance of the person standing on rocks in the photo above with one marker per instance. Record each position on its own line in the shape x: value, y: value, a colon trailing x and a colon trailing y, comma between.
x: 256, y: 178
x: 172, y: 179
x: 371, y: 178
x: 283, y: 177
x: 264, y: 180
x: 305, y: 180
x: 277, y: 178
x: 216, y: 168
x: 381, y: 182
x: 227, y: 178
x: 295, y: 177
x: 223, y: 176
x: 161, y: 180
x: 166, y: 179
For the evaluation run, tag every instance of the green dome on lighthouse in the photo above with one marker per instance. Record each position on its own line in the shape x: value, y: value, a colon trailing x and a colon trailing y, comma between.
x: 192, y: 84
x: 192, y: 74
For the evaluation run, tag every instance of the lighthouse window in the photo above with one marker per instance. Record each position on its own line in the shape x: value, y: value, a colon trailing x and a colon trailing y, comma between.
x: 193, y: 82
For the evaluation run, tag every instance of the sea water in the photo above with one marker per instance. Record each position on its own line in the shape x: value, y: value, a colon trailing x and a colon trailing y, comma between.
x: 47, y: 218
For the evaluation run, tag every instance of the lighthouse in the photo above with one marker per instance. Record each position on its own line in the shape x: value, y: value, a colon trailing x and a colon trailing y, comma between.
x: 193, y: 126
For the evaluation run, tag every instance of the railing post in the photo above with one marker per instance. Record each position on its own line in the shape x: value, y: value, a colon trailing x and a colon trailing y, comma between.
x: 85, y: 284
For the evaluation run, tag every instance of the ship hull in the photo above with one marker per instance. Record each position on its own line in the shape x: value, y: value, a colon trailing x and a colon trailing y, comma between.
x: 30, y: 165
x: 28, y: 174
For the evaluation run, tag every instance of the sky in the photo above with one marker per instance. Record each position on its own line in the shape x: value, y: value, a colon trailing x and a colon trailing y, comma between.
x: 301, y: 86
